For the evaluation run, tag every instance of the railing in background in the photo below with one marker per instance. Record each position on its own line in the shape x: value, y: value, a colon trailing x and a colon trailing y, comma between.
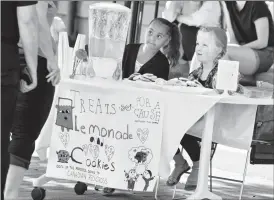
x: 127, y: 4
x: 134, y: 18
x: 72, y: 9
x: 139, y: 21
x: 156, y: 9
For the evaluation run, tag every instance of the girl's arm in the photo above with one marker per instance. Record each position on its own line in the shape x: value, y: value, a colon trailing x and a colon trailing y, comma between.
x: 208, y: 15
x: 262, y: 30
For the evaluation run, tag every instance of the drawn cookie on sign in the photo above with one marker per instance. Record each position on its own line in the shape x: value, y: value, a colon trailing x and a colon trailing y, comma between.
x: 64, y: 117
x: 63, y: 156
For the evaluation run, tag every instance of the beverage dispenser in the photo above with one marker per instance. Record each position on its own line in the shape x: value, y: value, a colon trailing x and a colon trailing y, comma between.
x: 108, y: 27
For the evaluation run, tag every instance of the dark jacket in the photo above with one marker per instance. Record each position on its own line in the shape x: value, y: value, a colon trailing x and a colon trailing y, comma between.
x: 158, y: 65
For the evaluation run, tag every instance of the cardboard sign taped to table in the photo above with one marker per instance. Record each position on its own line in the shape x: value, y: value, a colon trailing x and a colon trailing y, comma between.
x: 106, y: 137
x: 227, y: 75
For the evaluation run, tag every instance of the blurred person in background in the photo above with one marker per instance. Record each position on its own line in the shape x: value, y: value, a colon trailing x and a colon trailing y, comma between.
x: 17, y: 18
x: 251, y: 30
x: 32, y: 108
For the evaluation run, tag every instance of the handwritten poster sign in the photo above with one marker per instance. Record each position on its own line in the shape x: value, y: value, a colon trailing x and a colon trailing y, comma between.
x: 106, y: 137
x: 227, y: 75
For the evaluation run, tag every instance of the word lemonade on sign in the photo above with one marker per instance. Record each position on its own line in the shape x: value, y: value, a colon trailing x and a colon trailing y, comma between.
x: 110, y: 140
x: 144, y: 113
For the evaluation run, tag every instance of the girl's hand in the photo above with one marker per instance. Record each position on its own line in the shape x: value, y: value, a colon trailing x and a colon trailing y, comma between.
x: 218, y: 91
x: 54, y: 76
x: 222, y: 91
x: 54, y: 73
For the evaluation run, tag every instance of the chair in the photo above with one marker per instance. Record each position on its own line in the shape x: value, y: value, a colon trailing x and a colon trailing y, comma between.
x: 262, y: 152
x: 262, y: 146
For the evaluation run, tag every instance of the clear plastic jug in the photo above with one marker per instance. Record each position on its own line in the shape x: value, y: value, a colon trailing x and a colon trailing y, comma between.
x: 108, y: 27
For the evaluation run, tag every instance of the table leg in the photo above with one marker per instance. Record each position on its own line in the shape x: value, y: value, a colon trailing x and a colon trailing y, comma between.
x: 157, y: 187
x: 202, y: 191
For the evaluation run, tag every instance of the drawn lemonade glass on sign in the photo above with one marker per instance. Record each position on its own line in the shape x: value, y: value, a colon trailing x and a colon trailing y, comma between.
x: 64, y: 117
x: 227, y: 76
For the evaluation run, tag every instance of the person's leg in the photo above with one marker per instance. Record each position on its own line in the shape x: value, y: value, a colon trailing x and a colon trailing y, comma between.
x: 10, y: 75
x: 192, y: 146
x: 252, y: 61
x: 181, y: 166
x: 265, y: 72
x: 32, y: 110
x: 268, y: 76
x: 246, y: 57
x: 8, y: 101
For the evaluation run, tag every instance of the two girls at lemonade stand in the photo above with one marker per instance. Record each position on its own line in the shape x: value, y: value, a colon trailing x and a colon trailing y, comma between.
x: 161, y: 50
x: 211, y: 46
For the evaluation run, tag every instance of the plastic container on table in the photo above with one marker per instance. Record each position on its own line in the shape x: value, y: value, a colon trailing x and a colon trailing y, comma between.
x: 108, y: 27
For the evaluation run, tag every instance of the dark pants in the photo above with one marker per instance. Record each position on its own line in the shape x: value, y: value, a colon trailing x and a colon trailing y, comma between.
x: 32, y: 110
x: 189, y: 36
x: 10, y: 76
x: 192, y: 146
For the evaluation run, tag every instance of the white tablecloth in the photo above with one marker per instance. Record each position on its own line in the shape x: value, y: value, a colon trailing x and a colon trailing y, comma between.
x: 233, y: 127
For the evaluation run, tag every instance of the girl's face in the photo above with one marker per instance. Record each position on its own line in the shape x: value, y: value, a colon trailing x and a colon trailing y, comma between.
x: 157, y: 36
x: 206, y: 49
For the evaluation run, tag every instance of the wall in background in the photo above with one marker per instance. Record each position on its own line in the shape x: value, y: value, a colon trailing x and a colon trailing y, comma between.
x: 82, y: 14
